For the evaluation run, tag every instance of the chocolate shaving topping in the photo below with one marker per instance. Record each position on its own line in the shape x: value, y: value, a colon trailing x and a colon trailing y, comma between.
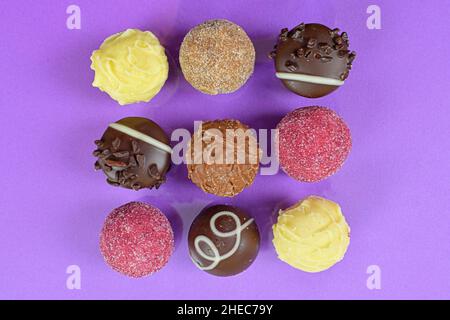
x: 107, y: 168
x: 338, y: 40
x: 292, y: 66
x: 297, y: 34
x: 344, y: 36
x: 98, y: 143
x: 342, y: 53
x: 344, y: 75
x: 301, y: 27
x: 135, y: 146
x: 96, y: 153
x: 132, y: 162
x: 272, y: 54
x: 113, y: 183
x: 351, y: 57
x: 322, y: 46
x: 335, y: 32
x: 153, y: 171
x: 300, y: 52
x: 284, y: 32
x: 116, y: 143
x: 311, y: 43
x: 97, y: 165
x: 140, y: 159
x: 121, y: 154
x: 136, y: 186
x: 116, y: 163
x: 326, y: 59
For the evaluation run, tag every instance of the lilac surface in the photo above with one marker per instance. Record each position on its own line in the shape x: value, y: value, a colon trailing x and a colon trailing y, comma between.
x: 394, y: 188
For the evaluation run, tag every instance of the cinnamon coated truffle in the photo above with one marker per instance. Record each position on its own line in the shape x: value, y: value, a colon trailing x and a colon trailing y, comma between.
x: 313, y: 143
x: 312, y: 60
x: 223, y: 240
x: 223, y: 157
x: 136, y: 239
x: 217, y: 57
x: 134, y: 153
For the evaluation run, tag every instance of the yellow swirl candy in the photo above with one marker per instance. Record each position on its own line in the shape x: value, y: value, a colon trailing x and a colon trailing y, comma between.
x: 312, y: 235
x: 130, y: 66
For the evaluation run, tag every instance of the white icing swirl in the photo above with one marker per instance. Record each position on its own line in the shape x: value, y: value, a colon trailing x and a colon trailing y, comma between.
x: 217, y: 257
x: 309, y: 78
x: 141, y: 136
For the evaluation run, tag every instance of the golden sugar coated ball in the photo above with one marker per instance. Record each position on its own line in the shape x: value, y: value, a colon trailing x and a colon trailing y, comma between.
x: 130, y: 66
x: 217, y: 57
x: 312, y: 235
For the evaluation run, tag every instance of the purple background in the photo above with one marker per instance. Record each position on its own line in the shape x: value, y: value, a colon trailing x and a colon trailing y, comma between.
x: 393, y: 189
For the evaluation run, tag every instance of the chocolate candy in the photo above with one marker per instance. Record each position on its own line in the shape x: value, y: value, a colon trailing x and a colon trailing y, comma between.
x: 134, y: 153
x: 312, y: 235
x: 223, y: 240
x: 312, y: 60
x: 136, y: 239
x: 217, y: 57
x: 313, y: 143
x: 217, y: 170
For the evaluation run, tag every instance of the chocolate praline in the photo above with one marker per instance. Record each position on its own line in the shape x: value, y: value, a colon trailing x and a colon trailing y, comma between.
x: 312, y: 60
x: 134, y: 153
x: 216, y: 170
x: 223, y: 240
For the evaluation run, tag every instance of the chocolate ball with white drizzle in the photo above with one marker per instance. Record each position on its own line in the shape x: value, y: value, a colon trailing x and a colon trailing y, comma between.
x: 134, y: 153
x: 223, y: 240
x: 312, y: 60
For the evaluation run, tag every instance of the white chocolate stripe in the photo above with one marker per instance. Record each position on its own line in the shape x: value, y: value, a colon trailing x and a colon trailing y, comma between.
x: 308, y: 78
x: 140, y: 136
x: 217, y: 258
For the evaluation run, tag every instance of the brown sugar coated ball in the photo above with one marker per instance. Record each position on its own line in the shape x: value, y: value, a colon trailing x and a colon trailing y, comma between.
x: 217, y: 57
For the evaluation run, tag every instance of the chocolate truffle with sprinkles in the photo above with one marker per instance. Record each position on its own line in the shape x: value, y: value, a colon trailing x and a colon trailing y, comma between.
x: 312, y: 60
x: 217, y: 57
x: 134, y: 153
x: 136, y: 239
x: 313, y: 143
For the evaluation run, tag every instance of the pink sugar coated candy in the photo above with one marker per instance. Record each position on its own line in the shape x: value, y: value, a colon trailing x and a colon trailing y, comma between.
x: 136, y: 239
x: 313, y: 143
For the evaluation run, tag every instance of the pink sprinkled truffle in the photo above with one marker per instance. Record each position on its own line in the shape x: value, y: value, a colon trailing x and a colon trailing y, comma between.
x: 313, y: 143
x: 136, y: 239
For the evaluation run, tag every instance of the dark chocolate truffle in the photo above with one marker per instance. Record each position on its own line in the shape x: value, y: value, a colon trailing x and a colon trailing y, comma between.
x: 312, y: 60
x: 223, y: 240
x: 134, y: 153
x: 223, y: 157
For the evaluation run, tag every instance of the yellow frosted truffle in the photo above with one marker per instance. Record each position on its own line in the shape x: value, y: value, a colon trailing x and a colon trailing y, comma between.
x: 130, y: 66
x: 312, y: 235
